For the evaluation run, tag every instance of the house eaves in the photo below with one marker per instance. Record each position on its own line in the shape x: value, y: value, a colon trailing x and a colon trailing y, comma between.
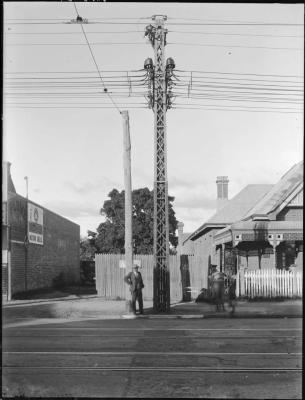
x: 278, y: 194
x: 234, y: 210
x: 204, y: 229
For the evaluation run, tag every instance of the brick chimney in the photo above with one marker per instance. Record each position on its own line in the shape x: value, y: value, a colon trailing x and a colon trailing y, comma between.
x: 222, y: 191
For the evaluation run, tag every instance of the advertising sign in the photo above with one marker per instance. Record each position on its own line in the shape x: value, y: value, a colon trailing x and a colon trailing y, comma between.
x: 35, y: 224
x: 122, y: 263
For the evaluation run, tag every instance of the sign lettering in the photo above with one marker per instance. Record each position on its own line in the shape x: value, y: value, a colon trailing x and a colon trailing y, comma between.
x: 35, y: 224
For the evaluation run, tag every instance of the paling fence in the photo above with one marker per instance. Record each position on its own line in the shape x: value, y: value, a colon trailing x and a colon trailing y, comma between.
x: 198, y: 274
x: 109, y: 276
x: 269, y: 283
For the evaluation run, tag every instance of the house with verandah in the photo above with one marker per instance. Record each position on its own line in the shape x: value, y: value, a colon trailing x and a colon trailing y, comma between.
x: 259, y: 228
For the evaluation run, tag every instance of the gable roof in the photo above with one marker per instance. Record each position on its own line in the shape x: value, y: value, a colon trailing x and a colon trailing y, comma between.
x: 234, y: 210
x: 289, y: 182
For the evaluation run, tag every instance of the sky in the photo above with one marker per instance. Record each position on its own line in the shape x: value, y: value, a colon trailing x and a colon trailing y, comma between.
x: 71, y: 147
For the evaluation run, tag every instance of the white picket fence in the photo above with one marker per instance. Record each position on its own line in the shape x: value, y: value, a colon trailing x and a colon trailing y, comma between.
x: 269, y: 283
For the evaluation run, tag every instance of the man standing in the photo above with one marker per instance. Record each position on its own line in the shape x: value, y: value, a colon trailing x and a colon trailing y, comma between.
x: 135, y: 282
x: 218, y: 289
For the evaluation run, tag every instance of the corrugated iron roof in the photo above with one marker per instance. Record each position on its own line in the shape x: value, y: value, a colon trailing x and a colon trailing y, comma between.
x: 235, y: 209
x: 279, y: 192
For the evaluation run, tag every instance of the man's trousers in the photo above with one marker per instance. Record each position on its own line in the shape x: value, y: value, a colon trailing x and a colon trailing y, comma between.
x: 137, y: 296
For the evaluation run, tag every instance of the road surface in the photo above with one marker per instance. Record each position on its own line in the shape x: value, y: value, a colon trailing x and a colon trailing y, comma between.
x: 160, y: 357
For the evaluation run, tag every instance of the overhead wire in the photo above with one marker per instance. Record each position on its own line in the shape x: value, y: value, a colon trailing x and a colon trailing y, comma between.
x: 68, y: 33
x: 94, y: 21
x: 235, y: 34
x: 240, y: 109
x: 94, y: 60
x: 189, y: 73
x: 234, y: 46
x: 234, y: 73
x: 202, y: 88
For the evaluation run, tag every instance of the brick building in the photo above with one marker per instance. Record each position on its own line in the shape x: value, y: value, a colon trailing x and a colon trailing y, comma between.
x: 38, y: 246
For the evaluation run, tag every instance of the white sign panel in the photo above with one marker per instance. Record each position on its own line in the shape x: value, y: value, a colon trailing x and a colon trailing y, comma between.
x: 35, y: 224
x: 122, y: 263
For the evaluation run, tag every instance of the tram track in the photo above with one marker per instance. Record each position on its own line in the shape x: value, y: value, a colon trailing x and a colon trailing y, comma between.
x: 157, y: 368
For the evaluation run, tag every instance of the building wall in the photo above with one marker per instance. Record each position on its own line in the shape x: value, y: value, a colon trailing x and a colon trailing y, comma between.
x: 204, y: 248
x: 290, y: 214
x: 58, y: 254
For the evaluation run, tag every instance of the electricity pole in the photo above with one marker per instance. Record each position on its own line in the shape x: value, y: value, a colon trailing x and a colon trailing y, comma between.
x: 159, y: 76
x: 128, y: 204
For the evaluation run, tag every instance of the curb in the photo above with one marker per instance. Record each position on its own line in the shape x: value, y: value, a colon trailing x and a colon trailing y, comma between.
x: 216, y: 316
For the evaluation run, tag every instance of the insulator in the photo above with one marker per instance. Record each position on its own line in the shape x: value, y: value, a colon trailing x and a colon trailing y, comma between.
x: 170, y: 63
x: 148, y: 63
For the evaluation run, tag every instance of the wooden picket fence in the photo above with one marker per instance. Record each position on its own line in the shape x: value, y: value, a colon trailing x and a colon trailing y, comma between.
x: 198, y: 274
x: 109, y: 276
x: 269, y: 284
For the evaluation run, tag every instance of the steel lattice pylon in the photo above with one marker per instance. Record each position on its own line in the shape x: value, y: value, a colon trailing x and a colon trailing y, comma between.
x: 161, y: 295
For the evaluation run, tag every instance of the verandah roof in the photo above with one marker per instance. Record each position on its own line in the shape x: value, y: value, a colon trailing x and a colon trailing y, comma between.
x: 256, y: 230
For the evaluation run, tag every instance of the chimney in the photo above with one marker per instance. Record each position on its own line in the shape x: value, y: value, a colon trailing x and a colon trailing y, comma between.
x: 7, y: 182
x: 222, y: 191
x: 6, y: 166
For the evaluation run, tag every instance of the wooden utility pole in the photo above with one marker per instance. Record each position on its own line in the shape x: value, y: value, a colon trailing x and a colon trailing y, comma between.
x: 128, y: 203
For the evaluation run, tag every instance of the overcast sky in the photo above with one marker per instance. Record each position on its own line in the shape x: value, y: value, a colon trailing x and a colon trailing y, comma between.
x: 74, y: 156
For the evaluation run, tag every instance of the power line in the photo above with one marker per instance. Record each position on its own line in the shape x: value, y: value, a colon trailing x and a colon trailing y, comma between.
x: 239, y: 73
x: 169, y: 31
x: 235, y: 34
x: 226, y: 109
x: 220, y: 20
x: 141, y: 70
x: 65, y: 19
x: 226, y: 82
x: 145, y: 23
x: 169, y: 43
x: 242, y: 99
x: 67, y: 33
x: 229, y: 45
x: 70, y: 23
x: 71, y: 72
x: 74, y: 44
x: 62, y: 107
x: 238, y: 24
x: 198, y: 85
x: 94, y: 60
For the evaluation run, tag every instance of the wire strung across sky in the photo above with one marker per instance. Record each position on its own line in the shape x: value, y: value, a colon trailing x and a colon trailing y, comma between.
x: 111, y: 43
x: 169, y: 32
x: 94, y: 60
x: 201, y: 89
x: 111, y: 22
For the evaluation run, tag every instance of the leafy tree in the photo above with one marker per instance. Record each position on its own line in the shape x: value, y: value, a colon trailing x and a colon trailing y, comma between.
x: 87, y: 247
x: 110, y: 236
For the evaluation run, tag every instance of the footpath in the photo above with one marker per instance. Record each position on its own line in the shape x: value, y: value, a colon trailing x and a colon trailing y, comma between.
x: 87, y: 307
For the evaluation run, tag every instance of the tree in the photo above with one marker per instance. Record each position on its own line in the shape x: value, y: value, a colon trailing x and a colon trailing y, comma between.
x: 110, y: 234
x: 87, y: 247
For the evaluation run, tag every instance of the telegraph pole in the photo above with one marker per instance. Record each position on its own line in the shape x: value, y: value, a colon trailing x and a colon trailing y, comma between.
x: 159, y: 76
x: 128, y: 204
